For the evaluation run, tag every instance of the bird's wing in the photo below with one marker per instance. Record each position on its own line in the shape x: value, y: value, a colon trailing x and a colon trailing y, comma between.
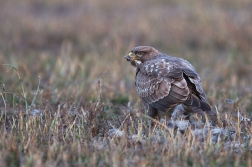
x: 163, y: 84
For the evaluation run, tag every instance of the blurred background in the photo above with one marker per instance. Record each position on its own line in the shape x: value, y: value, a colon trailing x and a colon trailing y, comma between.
x: 71, y: 44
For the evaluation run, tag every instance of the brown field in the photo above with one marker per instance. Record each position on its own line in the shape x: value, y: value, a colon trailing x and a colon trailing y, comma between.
x: 64, y: 83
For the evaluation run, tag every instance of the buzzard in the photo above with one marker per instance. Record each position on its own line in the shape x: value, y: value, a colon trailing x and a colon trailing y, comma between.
x: 164, y: 82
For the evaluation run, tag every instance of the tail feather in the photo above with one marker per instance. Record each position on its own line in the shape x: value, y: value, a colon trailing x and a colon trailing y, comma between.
x: 200, y: 107
x: 194, y: 102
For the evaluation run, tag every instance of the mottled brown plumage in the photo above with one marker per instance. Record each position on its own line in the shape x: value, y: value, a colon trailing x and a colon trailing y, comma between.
x: 163, y: 82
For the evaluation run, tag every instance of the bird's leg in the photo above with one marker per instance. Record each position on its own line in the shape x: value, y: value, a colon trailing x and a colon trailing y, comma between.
x: 152, y: 112
x: 181, y: 112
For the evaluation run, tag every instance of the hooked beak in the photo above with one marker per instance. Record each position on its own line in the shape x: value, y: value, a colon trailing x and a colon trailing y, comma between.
x: 129, y: 57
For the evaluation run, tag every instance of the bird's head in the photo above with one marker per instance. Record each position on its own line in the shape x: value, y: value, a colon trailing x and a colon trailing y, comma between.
x: 140, y: 54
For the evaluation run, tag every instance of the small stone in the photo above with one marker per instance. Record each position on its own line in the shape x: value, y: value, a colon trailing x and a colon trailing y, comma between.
x: 35, y: 112
x: 216, y: 131
x: 230, y: 101
x: 182, y: 125
x: 115, y: 133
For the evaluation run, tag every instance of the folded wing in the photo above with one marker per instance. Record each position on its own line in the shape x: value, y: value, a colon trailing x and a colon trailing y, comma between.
x: 163, y: 84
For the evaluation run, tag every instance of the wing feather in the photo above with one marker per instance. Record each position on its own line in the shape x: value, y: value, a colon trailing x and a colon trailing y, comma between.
x: 178, y: 96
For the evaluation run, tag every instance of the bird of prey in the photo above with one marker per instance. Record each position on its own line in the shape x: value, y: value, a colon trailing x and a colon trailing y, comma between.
x: 163, y: 82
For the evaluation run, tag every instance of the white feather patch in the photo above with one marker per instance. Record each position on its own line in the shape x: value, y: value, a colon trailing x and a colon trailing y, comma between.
x: 138, y: 62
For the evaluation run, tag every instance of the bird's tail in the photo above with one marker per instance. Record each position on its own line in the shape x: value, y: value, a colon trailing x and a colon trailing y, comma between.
x: 195, y: 105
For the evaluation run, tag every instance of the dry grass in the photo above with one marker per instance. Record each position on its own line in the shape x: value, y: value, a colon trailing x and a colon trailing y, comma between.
x: 73, y: 52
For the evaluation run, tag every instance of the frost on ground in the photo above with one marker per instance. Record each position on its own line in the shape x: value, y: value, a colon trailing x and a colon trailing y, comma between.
x: 232, y: 137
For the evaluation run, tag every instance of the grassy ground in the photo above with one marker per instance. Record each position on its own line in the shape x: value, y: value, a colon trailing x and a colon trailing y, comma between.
x: 66, y: 89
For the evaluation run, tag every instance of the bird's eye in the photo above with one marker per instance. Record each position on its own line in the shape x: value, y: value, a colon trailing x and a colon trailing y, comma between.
x: 139, y: 54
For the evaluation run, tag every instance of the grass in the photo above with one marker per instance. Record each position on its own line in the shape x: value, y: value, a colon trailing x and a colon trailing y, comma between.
x: 68, y: 96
